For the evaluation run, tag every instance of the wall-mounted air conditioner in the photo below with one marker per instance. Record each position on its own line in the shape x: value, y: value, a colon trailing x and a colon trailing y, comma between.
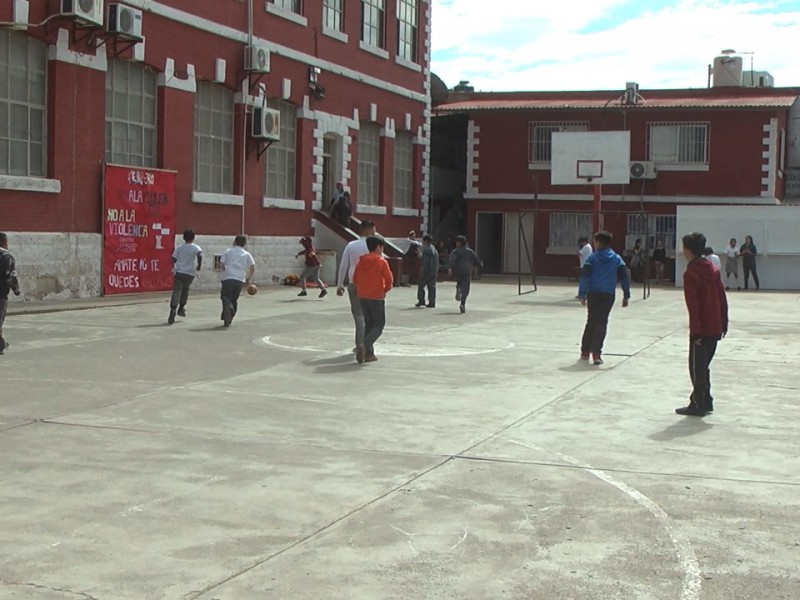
x: 266, y: 124
x: 641, y: 169
x: 85, y: 12
x: 124, y: 22
x: 256, y: 59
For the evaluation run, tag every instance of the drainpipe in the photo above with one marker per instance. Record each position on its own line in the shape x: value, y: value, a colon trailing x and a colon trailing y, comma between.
x: 246, y: 95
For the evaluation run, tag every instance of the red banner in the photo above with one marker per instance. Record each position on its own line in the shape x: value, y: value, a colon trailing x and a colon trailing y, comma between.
x: 138, y: 230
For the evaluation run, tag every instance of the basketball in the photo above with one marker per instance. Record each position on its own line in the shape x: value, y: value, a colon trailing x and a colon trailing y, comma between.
x: 252, y: 289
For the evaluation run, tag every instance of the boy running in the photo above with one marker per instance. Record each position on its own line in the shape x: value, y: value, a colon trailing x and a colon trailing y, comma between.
x: 462, y: 260
x: 183, y: 260
x: 239, y: 268
x: 373, y: 280
x: 598, y: 284
x: 312, y: 267
x: 708, y: 322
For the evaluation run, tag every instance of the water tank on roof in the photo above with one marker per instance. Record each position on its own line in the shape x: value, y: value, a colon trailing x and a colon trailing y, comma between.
x: 727, y: 70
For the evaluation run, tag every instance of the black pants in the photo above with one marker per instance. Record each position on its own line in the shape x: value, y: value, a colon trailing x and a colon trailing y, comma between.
x: 463, y: 283
x: 750, y: 267
x: 231, y: 290
x: 700, y: 356
x: 594, y: 334
x: 3, y: 309
x: 180, y: 290
x: 429, y: 282
x: 374, y: 322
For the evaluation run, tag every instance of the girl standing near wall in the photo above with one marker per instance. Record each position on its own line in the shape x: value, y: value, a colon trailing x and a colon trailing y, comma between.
x: 749, y: 252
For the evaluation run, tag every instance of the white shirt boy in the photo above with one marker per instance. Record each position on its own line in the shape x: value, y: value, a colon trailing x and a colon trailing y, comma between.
x: 584, y: 253
x: 237, y: 262
x: 185, y: 257
x: 352, y: 252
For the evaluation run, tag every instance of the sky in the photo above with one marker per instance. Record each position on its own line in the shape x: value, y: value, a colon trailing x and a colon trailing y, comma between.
x: 601, y: 44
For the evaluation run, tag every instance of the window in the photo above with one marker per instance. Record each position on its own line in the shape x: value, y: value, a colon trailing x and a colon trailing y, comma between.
x: 130, y: 114
x: 369, y: 152
x: 281, y: 156
x: 23, y: 91
x: 679, y: 143
x: 213, y: 139
x: 403, y: 169
x: 652, y: 228
x: 333, y: 14
x: 295, y: 6
x: 407, y: 29
x: 372, y: 22
x: 540, y: 138
x: 565, y: 229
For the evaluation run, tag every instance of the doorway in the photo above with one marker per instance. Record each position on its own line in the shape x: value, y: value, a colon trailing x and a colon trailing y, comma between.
x: 331, y: 168
x: 489, y: 242
x: 518, y: 242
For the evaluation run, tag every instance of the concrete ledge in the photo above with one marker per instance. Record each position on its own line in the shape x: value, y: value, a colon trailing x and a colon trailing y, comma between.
x: 366, y: 209
x: 405, y: 212
x: 379, y: 52
x: 286, y: 14
x: 407, y: 64
x: 30, y: 184
x: 286, y: 203
x: 224, y: 199
x: 687, y: 168
x: 335, y: 34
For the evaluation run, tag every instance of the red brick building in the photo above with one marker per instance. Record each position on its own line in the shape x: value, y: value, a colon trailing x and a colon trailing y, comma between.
x: 717, y: 146
x: 349, y: 78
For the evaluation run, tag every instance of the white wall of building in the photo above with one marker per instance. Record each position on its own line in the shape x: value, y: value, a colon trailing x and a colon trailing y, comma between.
x: 775, y: 231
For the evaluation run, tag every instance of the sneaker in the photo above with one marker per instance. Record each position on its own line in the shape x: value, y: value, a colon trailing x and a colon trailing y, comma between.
x: 597, y: 359
x: 738, y: 289
x: 323, y: 293
x: 171, y: 318
x: 431, y: 305
x: 690, y: 411
x: 360, y: 354
x: 420, y: 305
x: 370, y: 358
x: 584, y: 356
x: 182, y: 312
x: 227, y: 316
x: 463, y: 309
x: 303, y: 293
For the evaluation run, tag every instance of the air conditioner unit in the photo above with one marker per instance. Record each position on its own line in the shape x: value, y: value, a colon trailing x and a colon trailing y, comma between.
x: 85, y: 12
x: 641, y: 169
x: 256, y: 59
x: 266, y: 124
x: 124, y: 21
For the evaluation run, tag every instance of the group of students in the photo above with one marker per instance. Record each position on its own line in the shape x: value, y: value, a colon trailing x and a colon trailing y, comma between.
x: 705, y: 298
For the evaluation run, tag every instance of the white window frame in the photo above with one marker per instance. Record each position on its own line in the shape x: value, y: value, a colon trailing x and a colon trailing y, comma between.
x: 333, y: 15
x: 213, y: 139
x: 292, y: 6
x: 565, y: 229
x: 23, y: 102
x: 282, y: 155
x: 123, y: 150
x: 652, y: 228
x: 369, y: 164
x: 677, y: 146
x: 373, y: 23
x: 408, y: 30
x: 540, y: 151
x: 403, y: 196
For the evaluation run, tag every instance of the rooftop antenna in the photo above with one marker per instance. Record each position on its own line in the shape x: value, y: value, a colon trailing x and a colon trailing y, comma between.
x: 752, y: 71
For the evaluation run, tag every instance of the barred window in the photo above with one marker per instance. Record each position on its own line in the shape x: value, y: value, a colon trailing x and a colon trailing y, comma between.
x: 540, y: 138
x: 333, y: 14
x: 566, y: 229
x: 678, y: 143
x: 373, y: 22
x: 295, y: 6
x: 130, y: 114
x: 403, y: 169
x: 213, y: 139
x: 23, y: 105
x: 407, y: 19
x: 369, y: 139
x: 651, y: 229
x: 282, y: 155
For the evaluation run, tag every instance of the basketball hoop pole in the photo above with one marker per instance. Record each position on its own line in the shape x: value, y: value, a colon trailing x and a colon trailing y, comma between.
x: 597, y: 220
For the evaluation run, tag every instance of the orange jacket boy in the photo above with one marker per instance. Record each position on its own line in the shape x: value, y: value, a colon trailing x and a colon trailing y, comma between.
x: 373, y: 279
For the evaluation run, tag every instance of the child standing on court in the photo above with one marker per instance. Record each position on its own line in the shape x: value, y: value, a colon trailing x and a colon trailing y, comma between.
x: 732, y: 264
x: 598, y: 284
x: 462, y: 260
x: 373, y: 280
x: 311, y: 269
x: 708, y: 322
x: 427, y: 274
x: 185, y: 270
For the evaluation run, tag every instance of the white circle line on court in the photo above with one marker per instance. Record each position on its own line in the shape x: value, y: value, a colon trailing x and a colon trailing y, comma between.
x: 690, y: 567
x: 390, y: 349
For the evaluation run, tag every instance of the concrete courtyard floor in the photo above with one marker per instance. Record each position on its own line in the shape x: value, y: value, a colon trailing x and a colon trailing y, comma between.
x: 478, y: 459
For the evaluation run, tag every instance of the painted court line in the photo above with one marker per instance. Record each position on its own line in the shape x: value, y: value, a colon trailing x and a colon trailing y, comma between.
x: 689, y: 565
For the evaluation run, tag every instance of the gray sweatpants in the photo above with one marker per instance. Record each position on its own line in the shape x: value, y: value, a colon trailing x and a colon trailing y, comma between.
x: 358, y: 314
x: 311, y: 273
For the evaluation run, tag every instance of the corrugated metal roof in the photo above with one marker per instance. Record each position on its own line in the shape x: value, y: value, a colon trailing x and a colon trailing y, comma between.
x: 572, y: 103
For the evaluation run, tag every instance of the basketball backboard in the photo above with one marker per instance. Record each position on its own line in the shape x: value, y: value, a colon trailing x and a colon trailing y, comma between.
x: 591, y: 157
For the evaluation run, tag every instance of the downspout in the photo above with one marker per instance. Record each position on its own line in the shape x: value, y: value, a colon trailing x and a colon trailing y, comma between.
x: 246, y: 104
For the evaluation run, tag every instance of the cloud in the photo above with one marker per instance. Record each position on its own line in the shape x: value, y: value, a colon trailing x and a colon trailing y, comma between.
x: 601, y: 44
